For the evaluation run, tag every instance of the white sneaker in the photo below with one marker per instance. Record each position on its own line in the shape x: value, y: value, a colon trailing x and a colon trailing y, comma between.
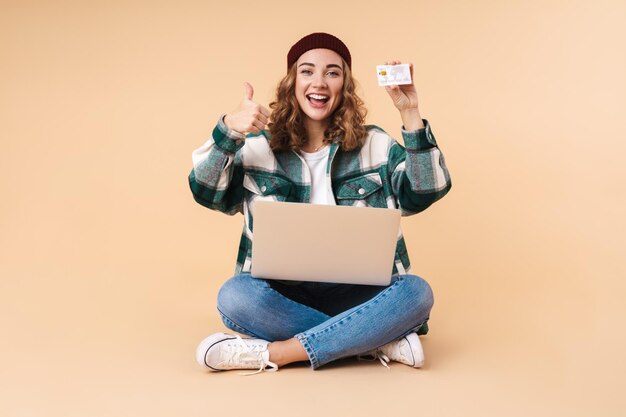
x: 407, y: 350
x: 223, y: 351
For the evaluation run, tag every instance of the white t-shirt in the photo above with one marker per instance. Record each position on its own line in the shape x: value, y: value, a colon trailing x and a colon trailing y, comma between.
x: 321, y: 190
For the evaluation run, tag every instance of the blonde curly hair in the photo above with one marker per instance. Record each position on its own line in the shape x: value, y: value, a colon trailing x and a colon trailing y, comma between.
x: 286, y: 126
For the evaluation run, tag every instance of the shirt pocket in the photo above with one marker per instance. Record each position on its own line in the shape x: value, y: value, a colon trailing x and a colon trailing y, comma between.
x: 365, y: 190
x: 262, y: 186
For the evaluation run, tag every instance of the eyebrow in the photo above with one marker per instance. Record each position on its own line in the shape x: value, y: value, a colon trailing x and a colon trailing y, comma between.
x: 327, y: 66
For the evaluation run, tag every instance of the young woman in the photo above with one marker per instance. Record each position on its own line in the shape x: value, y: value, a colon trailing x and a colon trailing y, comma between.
x: 316, y: 149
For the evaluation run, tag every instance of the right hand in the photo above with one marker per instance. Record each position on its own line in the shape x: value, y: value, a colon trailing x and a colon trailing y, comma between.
x: 249, y: 117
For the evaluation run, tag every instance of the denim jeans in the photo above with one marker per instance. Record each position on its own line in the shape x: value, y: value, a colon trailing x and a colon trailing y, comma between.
x: 331, y: 321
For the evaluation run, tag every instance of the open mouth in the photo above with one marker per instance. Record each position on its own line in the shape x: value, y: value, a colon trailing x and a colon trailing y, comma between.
x: 317, y: 99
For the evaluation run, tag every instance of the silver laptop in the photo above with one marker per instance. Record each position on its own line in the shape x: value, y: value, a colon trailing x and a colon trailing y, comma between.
x: 312, y: 242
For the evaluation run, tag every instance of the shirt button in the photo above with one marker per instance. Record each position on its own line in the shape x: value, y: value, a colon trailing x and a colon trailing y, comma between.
x: 263, y: 189
x: 361, y: 191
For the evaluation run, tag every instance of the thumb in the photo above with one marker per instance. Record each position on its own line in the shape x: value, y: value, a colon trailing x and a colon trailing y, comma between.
x: 249, y: 90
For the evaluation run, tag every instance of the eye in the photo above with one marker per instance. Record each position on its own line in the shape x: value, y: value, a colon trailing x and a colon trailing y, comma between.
x: 306, y: 72
x: 333, y: 73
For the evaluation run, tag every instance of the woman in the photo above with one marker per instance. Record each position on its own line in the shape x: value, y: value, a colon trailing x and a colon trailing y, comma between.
x: 318, y: 150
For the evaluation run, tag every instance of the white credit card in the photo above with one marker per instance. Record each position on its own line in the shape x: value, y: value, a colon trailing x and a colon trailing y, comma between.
x: 394, y: 74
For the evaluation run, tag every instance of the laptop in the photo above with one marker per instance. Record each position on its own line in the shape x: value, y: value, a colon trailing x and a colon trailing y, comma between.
x: 323, y: 243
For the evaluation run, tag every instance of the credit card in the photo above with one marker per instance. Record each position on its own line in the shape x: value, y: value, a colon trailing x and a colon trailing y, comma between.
x: 393, y: 74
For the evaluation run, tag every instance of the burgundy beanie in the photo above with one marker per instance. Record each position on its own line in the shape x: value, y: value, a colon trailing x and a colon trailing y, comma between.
x: 318, y: 40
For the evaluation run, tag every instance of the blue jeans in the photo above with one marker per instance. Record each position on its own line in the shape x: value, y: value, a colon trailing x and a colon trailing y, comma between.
x: 332, y: 321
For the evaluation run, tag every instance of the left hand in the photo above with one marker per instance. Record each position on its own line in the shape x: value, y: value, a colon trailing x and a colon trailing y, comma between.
x: 404, y: 97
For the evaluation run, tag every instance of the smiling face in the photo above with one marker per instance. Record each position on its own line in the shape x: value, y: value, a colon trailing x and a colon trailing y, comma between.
x: 319, y: 83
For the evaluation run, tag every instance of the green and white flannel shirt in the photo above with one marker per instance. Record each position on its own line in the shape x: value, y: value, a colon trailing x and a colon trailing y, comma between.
x: 231, y: 172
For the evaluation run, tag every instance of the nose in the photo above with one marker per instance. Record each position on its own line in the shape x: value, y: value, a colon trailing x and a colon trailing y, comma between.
x: 319, y: 80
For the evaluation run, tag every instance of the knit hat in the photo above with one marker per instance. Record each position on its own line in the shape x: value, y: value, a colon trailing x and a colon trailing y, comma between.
x: 318, y: 40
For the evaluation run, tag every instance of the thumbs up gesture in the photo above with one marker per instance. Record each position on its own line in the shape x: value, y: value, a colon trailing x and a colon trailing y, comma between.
x: 249, y: 117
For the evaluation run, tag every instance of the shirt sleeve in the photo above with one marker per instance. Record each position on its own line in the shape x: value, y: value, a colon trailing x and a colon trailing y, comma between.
x: 419, y: 174
x: 216, y: 180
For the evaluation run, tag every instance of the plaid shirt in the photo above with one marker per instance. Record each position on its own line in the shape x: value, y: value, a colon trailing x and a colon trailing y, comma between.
x: 231, y: 172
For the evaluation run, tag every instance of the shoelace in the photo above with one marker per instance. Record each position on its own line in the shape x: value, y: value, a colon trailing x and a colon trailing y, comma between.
x: 250, y: 354
x: 384, y: 359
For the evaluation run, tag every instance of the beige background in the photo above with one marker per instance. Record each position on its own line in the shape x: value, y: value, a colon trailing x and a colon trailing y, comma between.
x: 109, y: 270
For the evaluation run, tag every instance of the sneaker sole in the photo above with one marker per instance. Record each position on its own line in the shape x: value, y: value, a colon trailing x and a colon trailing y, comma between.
x: 416, y: 349
x: 206, y: 344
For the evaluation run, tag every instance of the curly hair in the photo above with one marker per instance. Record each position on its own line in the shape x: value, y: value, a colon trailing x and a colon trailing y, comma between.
x: 347, y: 126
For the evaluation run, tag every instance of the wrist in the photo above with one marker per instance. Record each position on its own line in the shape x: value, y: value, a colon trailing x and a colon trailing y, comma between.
x: 223, y: 126
x: 411, y: 119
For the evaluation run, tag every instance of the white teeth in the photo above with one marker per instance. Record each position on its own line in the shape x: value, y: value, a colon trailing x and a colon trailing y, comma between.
x: 317, y: 96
